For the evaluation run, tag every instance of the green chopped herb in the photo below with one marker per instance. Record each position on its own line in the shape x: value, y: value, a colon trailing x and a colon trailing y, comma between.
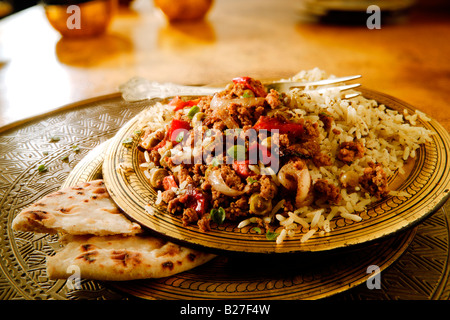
x: 270, y: 235
x: 127, y: 142
x: 180, y: 136
x: 55, y: 139
x: 217, y: 215
x: 75, y: 148
x: 251, y: 180
x: 138, y: 132
x: 257, y: 230
x: 192, y: 111
x: 248, y: 94
x: 237, y: 152
x: 45, y: 153
x: 65, y: 158
x: 215, y: 162
x: 42, y: 168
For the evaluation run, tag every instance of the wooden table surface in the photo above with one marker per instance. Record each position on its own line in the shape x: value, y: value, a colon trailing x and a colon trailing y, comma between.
x: 40, y: 71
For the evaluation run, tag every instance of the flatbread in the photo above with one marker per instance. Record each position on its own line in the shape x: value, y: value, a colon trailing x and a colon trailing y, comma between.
x: 99, y: 240
x: 119, y: 258
x: 85, y: 208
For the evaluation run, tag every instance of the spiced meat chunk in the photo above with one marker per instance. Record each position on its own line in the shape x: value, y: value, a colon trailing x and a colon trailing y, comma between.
x: 311, y: 130
x: 168, y: 195
x: 268, y: 188
x: 327, y: 191
x: 204, y: 224
x: 327, y: 120
x: 189, y: 216
x: 231, y: 178
x: 237, y: 209
x: 308, y: 146
x: 374, y: 180
x: 245, y: 114
x: 273, y: 98
x: 350, y: 151
x: 174, y: 206
x: 155, y: 157
x: 184, y: 176
x: 244, y: 87
x: 321, y: 159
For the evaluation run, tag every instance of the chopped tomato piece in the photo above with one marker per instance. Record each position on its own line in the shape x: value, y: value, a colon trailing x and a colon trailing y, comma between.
x: 174, y: 129
x: 169, y: 182
x: 179, y: 103
x: 253, y: 85
x: 284, y: 127
x: 242, y: 169
x: 196, y: 200
x: 263, y: 153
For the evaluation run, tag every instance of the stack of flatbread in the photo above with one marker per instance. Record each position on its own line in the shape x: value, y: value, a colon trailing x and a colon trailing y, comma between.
x: 100, y: 240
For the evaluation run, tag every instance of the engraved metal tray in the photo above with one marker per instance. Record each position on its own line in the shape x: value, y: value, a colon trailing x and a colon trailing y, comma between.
x: 413, y: 267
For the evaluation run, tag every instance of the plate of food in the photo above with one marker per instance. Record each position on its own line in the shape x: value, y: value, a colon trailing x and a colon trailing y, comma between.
x: 256, y: 171
x: 98, y: 244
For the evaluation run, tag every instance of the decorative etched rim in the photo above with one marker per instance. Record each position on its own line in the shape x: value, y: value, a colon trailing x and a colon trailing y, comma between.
x: 89, y: 168
x: 427, y: 185
x: 288, y: 278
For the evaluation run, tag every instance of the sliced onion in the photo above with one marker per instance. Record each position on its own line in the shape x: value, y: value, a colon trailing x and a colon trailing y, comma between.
x: 218, y: 102
x: 218, y: 184
x: 220, y: 105
x: 249, y: 102
x: 300, y: 180
x: 303, y: 196
x: 286, y: 176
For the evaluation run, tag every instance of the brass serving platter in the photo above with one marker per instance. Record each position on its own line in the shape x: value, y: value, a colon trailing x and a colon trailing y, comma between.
x: 419, y: 272
x: 227, y: 277
x: 427, y: 182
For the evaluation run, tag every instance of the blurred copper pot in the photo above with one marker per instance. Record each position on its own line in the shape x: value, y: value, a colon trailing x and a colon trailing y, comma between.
x: 80, y: 18
x: 179, y: 10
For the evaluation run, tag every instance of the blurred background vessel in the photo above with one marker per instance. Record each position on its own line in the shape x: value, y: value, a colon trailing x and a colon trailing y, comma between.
x: 80, y: 18
x: 353, y: 11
